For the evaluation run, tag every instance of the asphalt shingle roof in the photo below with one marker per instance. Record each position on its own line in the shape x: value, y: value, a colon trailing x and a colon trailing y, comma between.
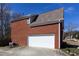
x: 49, y: 17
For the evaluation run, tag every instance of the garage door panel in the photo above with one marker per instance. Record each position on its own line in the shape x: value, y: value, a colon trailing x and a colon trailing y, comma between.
x: 41, y: 41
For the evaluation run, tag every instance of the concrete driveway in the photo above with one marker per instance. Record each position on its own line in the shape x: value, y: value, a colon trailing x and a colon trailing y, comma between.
x: 29, y: 51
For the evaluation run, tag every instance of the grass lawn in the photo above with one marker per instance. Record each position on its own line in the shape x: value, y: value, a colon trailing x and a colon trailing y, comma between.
x: 71, y: 51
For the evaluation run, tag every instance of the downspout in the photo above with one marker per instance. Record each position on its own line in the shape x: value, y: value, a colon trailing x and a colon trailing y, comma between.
x: 59, y: 33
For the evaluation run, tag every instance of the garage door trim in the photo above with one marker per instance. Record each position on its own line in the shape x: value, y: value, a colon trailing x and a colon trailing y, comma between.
x: 49, y: 36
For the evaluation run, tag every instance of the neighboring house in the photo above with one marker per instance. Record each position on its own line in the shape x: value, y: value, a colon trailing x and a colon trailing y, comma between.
x: 74, y: 35
x: 43, y: 30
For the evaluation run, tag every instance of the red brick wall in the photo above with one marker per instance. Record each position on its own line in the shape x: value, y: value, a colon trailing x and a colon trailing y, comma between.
x: 20, y: 32
x: 48, y: 29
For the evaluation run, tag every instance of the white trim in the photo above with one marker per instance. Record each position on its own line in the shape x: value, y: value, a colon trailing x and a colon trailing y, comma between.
x: 42, y: 41
x: 28, y: 21
x: 59, y: 33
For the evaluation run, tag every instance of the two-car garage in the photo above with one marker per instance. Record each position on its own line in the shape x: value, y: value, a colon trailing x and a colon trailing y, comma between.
x: 45, y: 41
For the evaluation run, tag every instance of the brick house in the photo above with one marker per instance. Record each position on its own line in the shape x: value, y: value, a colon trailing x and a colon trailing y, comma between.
x: 43, y: 30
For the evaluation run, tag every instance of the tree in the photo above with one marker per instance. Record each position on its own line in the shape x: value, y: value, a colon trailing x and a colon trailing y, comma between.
x: 5, y: 17
x: 4, y: 24
x: 70, y: 28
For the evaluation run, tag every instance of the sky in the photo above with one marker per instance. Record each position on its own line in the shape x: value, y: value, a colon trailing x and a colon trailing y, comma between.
x: 71, y: 10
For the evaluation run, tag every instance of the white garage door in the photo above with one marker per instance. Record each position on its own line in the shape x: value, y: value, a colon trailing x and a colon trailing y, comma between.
x: 42, y: 41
